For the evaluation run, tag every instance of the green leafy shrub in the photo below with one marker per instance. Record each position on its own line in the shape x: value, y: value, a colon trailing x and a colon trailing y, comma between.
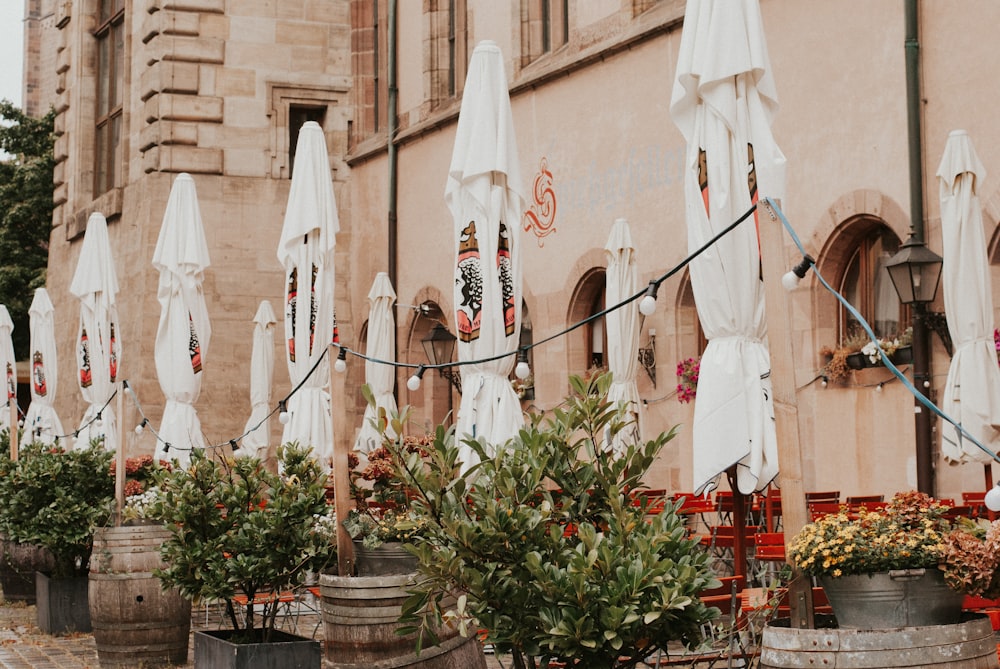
x: 238, y: 528
x: 57, y: 499
x: 547, y: 546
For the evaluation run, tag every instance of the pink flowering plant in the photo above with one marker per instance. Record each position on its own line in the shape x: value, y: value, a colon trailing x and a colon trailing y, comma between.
x: 971, y: 562
x: 687, y: 375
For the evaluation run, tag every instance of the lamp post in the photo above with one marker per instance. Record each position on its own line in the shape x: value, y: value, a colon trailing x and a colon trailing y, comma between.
x: 915, y: 271
x: 439, y: 346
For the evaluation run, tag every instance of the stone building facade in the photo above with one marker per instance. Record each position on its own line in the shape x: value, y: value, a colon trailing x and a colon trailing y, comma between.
x: 216, y: 88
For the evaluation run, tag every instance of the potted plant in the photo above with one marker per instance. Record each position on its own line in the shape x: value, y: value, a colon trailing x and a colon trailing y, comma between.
x: 18, y: 561
x: 548, y: 548
x: 874, y: 564
x: 134, y: 619
x: 239, y: 531
x: 57, y: 499
x: 382, y: 523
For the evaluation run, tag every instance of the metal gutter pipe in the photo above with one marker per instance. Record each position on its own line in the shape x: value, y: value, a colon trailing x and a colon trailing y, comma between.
x: 921, y: 335
x: 393, y: 128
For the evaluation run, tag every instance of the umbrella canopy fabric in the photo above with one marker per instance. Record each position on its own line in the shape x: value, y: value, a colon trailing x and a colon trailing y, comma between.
x: 258, y: 428
x: 485, y: 195
x: 623, y: 328
x: 306, y: 251
x: 98, y: 350
x: 184, y: 332
x: 972, y: 391
x: 723, y: 102
x: 41, y: 421
x: 8, y: 365
x: 381, y: 345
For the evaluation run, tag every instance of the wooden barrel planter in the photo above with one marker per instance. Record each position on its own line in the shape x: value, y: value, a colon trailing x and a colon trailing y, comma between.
x: 18, y: 564
x: 360, y: 616
x: 135, y: 621
x: 965, y: 645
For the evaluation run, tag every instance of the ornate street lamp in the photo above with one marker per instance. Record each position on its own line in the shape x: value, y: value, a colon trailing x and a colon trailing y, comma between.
x: 915, y: 271
x: 439, y: 346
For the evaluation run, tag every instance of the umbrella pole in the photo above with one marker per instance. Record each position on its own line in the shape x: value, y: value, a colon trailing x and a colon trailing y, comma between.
x: 120, y: 458
x: 341, y: 475
x: 739, y: 525
x: 786, y: 408
x: 12, y: 432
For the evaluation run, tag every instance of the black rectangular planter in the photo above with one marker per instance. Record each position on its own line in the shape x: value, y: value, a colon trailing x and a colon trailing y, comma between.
x: 61, y: 604
x: 213, y: 650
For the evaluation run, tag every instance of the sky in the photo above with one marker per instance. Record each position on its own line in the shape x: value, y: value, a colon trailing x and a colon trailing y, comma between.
x: 11, y: 48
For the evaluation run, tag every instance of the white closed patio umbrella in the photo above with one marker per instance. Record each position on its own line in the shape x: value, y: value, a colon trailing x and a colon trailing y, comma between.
x: 972, y: 391
x: 486, y: 198
x: 306, y: 251
x: 8, y: 366
x: 723, y: 101
x: 98, y: 349
x: 184, y: 332
x: 380, y: 345
x: 257, y: 441
x: 622, y: 282
x: 41, y: 423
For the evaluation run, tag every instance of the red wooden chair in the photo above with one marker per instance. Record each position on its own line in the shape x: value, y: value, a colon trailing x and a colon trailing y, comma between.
x: 819, y: 509
x: 823, y: 496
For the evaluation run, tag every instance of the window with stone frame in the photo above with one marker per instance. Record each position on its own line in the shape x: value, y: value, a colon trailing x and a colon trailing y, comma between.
x: 447, y: 53
x: 110, y: 37
x: 299, y: 115
x: 369, y: 56
x: 544, y: 27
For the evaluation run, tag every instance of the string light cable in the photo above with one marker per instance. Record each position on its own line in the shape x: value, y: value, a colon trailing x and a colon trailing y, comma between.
x: 774, y: 210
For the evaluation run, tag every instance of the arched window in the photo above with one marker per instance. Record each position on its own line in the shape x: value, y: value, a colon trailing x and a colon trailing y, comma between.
x: 588, y: 349
x: 865, y: 282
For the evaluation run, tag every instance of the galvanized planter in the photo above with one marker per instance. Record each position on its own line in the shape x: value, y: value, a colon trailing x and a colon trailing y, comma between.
x: 214, y: 650
x: 887, y: 600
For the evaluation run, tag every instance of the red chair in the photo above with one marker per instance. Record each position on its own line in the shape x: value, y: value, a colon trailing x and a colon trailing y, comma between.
x: 823, y: 496
x: 769, y: 547
x: 819, y: 509
x: 854, y: 500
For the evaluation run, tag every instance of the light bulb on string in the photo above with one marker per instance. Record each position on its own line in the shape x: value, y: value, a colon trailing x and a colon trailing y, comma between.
x: 647, y: 305
x: 283, y: 415
x: 413, y: 383
x: 522, y: 370
x: 340, y: 364
x: 790, y: 281
x: 139, y: 428
x: 98, y: 421
x: 992, y: 498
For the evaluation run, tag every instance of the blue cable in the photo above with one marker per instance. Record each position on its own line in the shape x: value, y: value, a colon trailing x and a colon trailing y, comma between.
x: 871, y: 334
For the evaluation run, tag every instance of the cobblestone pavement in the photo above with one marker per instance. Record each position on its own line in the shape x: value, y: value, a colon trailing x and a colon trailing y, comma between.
x: 24, y: 646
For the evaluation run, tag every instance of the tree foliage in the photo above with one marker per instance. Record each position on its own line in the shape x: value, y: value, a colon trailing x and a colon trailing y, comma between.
x: 547, y: 546
x: 237, y: 528
x: 25, y: 212
x: 57, y: 499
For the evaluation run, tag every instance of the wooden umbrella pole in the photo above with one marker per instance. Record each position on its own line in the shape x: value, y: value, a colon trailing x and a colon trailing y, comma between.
x: 786, y: 410
x: 120, y: 456
x: 341, y: 471
x: 12, y: 432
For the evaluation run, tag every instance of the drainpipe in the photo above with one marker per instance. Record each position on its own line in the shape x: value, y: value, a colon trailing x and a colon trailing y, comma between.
x: 393, y: 160
x: 921, y: 336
